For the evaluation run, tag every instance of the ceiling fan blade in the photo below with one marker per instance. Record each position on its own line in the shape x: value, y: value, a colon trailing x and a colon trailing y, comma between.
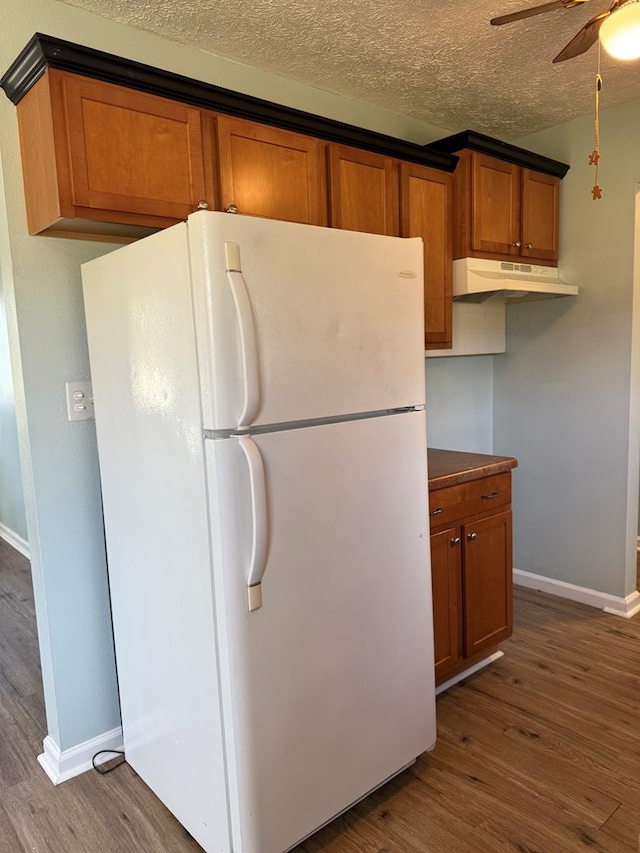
x: 536, y: 10
x: 584, y: 39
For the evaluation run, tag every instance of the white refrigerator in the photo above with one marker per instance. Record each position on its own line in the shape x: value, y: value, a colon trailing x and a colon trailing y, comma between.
x: 259, y: 392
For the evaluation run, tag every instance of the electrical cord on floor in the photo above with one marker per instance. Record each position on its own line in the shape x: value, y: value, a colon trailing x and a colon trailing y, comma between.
x: 96, y: 767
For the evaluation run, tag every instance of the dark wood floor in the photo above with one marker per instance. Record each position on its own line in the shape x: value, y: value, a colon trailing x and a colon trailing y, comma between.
x: 539, y: 753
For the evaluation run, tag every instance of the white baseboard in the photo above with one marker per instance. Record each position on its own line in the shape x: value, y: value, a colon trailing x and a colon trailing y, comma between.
x: 614, y: 604
x: 467, y: 672
x: 21, y: 545
x: 630, y: 606
x: 62, y: 765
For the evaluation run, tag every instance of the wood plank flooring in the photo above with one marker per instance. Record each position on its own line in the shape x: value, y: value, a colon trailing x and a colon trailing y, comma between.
x: 539, y: 753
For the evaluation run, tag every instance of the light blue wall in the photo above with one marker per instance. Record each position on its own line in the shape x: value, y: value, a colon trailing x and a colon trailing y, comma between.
x: 566, y: 394
x: 42, y: 286
x: 13, y: 521
x: 460, y: 403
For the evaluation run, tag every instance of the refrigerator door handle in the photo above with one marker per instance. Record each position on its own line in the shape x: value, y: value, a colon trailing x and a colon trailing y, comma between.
x: 258, y: 559
x: 248, y: 344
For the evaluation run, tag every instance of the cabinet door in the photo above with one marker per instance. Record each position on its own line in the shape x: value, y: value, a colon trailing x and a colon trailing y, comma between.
x: 487, y: 582
x: 265, y: 171
x: 363, y: 191
x: 540, y: 213
x: 425, y: 211
x: 495, y: 200
x: 131, y: 152
x: 446, y: 580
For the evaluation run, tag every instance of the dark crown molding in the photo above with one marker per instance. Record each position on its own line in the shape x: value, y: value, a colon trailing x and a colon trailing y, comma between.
x: 44, y: 52
x: 503, y: 150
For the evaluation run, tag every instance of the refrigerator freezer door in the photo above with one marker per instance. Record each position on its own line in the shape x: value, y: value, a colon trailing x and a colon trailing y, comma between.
x: 327, y: 689
x: 296, y: 322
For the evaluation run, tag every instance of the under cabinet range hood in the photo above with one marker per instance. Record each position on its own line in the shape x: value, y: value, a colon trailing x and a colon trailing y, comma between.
x: 475, y: 280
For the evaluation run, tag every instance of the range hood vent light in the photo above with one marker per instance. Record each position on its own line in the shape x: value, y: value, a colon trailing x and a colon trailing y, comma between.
x: 475, y: 280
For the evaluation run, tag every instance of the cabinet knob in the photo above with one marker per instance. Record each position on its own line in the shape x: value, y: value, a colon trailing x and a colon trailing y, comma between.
x: 528, y: 245
x: 517, y: 244
x: 436, y: 511
x: 455, y: 541
x: 231, y: 209
x: 203, y: 204
x: 472, y: 537
x: 491, y: 496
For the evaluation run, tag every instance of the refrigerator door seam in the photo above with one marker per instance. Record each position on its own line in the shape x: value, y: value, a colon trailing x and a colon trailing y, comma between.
x: 263, y: 429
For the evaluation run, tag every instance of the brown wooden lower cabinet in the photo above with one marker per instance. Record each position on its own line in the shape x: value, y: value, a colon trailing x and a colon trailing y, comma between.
x: 446, y: 579
x: 471, y: 570
x: 487, y: 582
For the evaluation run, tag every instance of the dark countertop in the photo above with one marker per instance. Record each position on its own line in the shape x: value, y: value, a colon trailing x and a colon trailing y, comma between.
x: 451, y: 467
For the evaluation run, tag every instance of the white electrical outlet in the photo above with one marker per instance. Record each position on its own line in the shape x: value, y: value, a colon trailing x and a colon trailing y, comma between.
x: 79, y: 401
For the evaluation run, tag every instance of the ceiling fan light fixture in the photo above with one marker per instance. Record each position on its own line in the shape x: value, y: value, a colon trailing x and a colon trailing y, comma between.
x: 620, y: 32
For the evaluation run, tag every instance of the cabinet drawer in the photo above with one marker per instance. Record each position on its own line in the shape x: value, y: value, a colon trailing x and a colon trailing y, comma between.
x: 469, y: 499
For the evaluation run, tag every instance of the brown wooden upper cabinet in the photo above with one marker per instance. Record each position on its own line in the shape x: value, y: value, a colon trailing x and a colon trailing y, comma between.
x: 267, y: 171
x: 380, y: 195
x: 540, y: 207
x: 504, y: 211
x: 425, y: 211
x: 96, y: 152
x: 363, y: 191
x: 110, y: 162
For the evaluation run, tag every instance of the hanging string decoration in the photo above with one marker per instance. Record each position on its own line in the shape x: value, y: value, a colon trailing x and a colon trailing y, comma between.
x: 594, y: 157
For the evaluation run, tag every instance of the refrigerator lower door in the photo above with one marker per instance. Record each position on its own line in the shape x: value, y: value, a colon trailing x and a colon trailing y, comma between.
x: 327, y: 687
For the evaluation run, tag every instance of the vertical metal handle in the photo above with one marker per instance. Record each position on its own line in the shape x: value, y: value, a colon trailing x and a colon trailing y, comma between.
x: 259, y: 540
x: 246, y: 327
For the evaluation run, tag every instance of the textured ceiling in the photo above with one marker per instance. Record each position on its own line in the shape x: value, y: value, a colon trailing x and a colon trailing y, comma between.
x: 438, y: 61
